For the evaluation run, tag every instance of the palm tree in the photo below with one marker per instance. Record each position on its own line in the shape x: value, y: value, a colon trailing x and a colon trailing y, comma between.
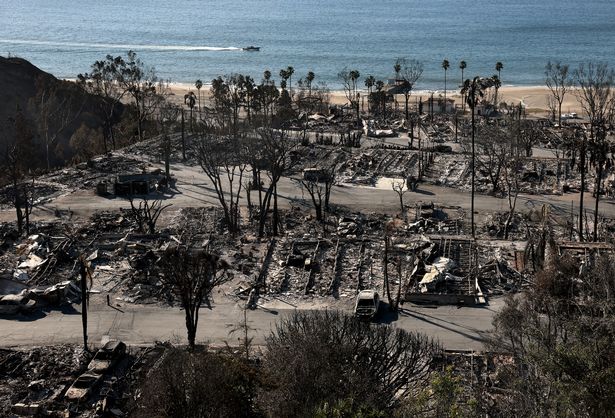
x: 267, y: 76
x: 284, y: 76
x: 190, y: 100
x: 397, y: 69
x: 310, y: 78
x: 498, y: 67
x: 475, y: 90
x: 370, y: 81
x: 462, y: 66
x: 445, y: 65
x: 199, y: 84
x: 290, y: 71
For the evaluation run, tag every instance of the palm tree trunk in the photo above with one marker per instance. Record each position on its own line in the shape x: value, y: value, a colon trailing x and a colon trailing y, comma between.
x: 444, y: 91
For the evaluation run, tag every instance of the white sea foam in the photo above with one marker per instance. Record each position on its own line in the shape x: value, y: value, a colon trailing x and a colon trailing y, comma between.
x: 120, y: 46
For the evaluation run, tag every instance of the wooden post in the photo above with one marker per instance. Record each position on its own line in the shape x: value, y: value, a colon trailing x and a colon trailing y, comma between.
x: 84, y: 302
x: 183, y: 137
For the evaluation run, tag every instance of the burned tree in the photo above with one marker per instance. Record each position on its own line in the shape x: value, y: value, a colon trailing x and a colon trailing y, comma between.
x: 494, y: 147
x: 529, y: 135
x: 146, y: 214
x: 558, y: 81
x: 561, y: 334
x: 409, y: 73
x: 192, y: 274
x: 595, y: 82
x: 223, y: 159
x: 140, y: 83
x: 400, y: 188
x: 350, y: 80
x: 103, y: 81
x: 16, y: 166
x: 512, y: 173
x: 278, y: 149
x: 318, y: 183
x: 378, y: 365
x: 56, y: 113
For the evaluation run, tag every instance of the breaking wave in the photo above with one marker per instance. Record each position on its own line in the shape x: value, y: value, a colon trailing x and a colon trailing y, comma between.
x: 120, y: 46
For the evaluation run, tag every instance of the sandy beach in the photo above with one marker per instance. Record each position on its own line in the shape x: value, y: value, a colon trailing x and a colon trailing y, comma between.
x: 534, y: 98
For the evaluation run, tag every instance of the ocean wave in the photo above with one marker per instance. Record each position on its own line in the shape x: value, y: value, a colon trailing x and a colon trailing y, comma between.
x: 120, y: 46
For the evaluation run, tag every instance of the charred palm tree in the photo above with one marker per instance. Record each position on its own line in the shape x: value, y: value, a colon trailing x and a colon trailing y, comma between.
x: 474, y: 90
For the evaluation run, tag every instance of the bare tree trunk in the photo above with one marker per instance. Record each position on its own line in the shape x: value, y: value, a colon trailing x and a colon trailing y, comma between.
x: 275, y: 209
x: 386, y: 270
x: 598, y: 184
x: 190, y: 328
x: 473, y: 174
x: 407, y: 98
x: 582, y: 164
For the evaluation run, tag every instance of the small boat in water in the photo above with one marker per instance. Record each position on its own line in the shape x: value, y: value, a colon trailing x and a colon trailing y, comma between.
x: 252, y: 48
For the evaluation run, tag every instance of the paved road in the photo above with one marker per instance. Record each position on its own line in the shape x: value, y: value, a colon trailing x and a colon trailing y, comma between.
x: 455, y: 328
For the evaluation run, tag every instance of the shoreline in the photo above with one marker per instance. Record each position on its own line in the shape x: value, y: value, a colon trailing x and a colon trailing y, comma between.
x: 534, y: 98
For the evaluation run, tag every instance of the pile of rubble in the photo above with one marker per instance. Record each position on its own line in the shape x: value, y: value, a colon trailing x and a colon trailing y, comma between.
x: 37, y: 378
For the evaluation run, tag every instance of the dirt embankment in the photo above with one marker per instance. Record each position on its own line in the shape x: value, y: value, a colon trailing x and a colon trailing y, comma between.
x: 46, y: 105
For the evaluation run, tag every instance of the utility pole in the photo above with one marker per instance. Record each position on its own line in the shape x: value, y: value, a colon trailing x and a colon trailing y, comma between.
x: 183, y: 137
x: 84, y: 301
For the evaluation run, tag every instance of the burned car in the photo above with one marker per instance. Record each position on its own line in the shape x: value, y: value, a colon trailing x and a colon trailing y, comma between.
x: 83, y: 386
x: 14, y: 304
x: 367, y: 304
x: 107, y: 357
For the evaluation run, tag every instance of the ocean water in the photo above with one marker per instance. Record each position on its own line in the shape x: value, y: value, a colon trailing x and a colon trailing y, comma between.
x: 190, y: 39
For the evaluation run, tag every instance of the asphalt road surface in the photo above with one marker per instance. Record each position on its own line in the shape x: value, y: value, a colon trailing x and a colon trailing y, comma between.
x: 455, y: 327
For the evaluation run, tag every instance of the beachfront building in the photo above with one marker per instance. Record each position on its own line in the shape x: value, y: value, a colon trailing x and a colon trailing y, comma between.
x: 439, y: 105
